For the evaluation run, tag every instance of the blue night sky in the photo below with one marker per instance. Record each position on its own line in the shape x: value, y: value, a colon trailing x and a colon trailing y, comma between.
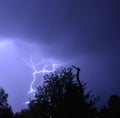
x: 85, y: 33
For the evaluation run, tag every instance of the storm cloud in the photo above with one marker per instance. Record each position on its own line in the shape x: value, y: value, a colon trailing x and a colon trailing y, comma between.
x: 85, y: 33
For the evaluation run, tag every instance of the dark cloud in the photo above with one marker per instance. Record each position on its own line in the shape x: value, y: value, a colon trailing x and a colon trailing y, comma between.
x: 87, y: 24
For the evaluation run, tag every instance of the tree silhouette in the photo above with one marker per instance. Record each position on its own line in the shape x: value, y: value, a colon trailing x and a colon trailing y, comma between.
x: 5, y: 109
x: 113, y: 109
x: 63, y: 95
x: 114, y: 106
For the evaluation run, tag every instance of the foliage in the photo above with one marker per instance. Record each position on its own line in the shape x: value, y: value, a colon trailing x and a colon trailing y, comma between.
x: 3, y: 99
x: 113, y: 109
x: 62, y: 96
x: 5, y: 109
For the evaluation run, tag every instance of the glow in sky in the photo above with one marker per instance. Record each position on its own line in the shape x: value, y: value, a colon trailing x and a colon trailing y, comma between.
x: 85, y: 34
x: 16, y: 76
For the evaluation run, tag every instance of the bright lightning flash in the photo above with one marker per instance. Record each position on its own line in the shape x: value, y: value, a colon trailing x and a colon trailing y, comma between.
x: 45, y: 69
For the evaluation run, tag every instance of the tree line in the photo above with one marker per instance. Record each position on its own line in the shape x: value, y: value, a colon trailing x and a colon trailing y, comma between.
x: 62, y: 95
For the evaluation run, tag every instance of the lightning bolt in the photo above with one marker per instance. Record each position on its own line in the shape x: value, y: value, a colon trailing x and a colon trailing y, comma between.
x: 44, y: 69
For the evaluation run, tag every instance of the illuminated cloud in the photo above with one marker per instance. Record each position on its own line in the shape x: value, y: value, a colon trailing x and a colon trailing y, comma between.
x: 71, y: 32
